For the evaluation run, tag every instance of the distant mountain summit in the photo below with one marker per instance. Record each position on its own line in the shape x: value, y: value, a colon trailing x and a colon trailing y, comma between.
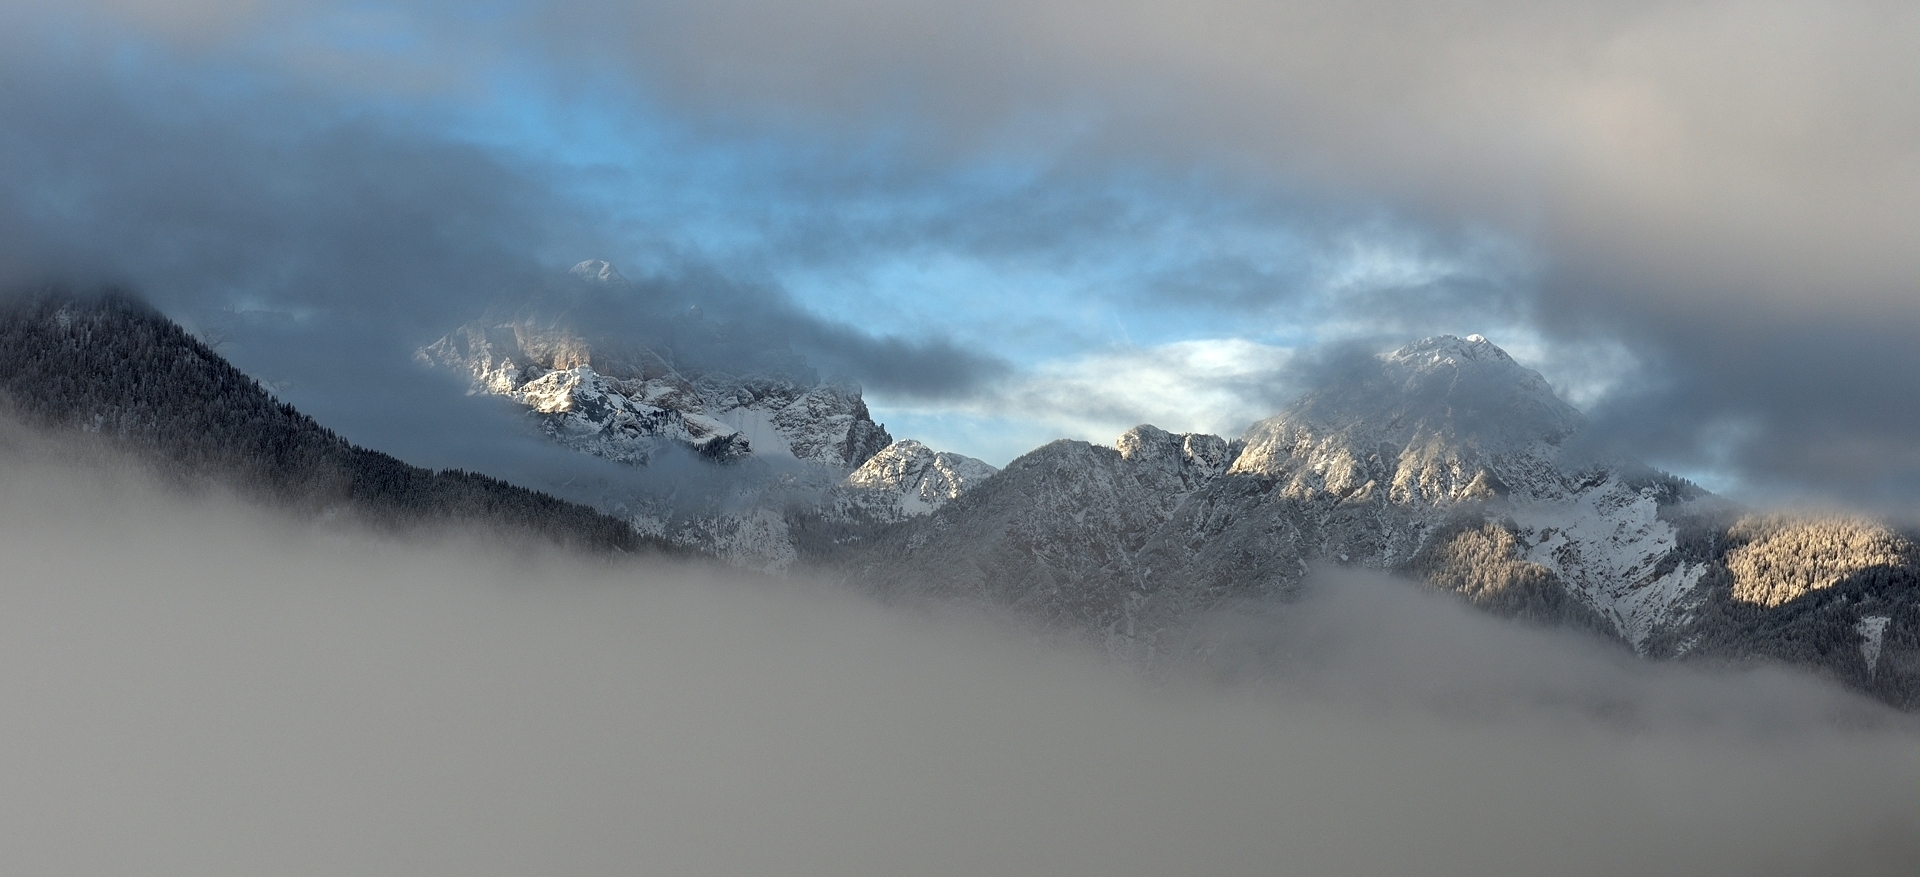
x: 628, y: 389
x: 626, y: 399
x: 598, y: 270
x: 1442, y: 419
x: 1444, y: 460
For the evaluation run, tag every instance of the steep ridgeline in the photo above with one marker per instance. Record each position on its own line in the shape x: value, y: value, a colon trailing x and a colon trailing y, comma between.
x: 821, y: 515
x: 1444, y: 460
x: 1059, y: 533
x: 822, y: 462
x: 112, y: 367
x: 623, y: 400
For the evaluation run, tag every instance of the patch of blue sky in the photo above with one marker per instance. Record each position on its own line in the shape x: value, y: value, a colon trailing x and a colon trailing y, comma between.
x: 988, y: 249
x: 995, y: 440
x: 1715, y: 463
x: 869, y: 254
x: 1025, y: 311
x: 643, y: 171
x: 1003, y: 253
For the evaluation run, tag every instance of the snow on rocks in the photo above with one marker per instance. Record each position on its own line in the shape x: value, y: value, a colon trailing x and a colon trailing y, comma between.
x: 921, y: 478
x: 625, y: 404
x: 1609, y: 547
x: 1873, y: 632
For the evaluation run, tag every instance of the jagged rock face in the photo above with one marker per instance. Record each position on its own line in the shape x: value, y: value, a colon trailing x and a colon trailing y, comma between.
x: 590, y: 412
x: 1445, y: 428
x: 825, y: 423
x: 1443, y: 460
x: 1369, y: 469
x: 917, y: 478
x: 1192, y: 458
x: 625, y: 402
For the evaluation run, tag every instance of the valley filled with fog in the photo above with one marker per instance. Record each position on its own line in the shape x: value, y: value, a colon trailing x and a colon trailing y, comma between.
x: 917, y: 438
x: 191, y: 686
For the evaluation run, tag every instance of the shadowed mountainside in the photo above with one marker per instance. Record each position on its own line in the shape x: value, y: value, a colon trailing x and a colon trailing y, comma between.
x: 110, y: 366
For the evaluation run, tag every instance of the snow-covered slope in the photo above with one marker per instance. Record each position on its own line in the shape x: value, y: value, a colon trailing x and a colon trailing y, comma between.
x: 1381, y: 465
x: 1610, y: 548
x: 625, y: 402
x: 1448, y: 425
x: 915, y: 479
x: 1444, y: 460
x: 805, y: 448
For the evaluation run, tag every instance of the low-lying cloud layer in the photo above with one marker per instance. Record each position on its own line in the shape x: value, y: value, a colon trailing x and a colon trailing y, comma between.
x: 191, y: 688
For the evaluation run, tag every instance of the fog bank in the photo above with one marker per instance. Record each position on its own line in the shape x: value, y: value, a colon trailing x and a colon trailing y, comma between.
x: 192, y: 688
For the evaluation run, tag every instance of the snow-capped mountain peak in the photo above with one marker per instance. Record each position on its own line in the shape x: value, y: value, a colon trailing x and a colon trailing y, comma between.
x: 598, y: 270
x: 1464, y: 386
x: 624, y: 401
x: 1442, y: 419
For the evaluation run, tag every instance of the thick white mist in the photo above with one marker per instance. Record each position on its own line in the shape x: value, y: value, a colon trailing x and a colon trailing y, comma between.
x: 187, y: 687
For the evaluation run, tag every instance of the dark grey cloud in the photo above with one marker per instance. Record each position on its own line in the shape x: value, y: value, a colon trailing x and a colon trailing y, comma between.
x: 1695, y: 181
x: 1818, y: 406
x: 714, y: 321
x: 1713, y: 186
x: 199, y: 688
x: 274, y: 199
x: 325, y: 239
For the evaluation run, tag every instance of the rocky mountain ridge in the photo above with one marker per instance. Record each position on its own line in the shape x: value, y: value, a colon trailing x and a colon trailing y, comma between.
x: 819, y: 452
x: 1445, y: 461
x: 908, y: 478
x: 626, y: 404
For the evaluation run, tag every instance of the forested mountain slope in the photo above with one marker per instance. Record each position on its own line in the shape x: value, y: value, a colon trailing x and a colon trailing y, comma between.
x: 111, y: 366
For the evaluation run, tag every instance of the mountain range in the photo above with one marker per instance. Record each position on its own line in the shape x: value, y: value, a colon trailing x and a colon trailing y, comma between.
x: 800, y: 452
x: 1445, y: 462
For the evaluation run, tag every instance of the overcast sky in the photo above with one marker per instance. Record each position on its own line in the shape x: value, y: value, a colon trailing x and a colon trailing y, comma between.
x: 1014, y: 221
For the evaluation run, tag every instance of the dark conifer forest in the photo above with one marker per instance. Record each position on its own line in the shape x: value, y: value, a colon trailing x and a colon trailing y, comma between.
x: 110, y: 365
